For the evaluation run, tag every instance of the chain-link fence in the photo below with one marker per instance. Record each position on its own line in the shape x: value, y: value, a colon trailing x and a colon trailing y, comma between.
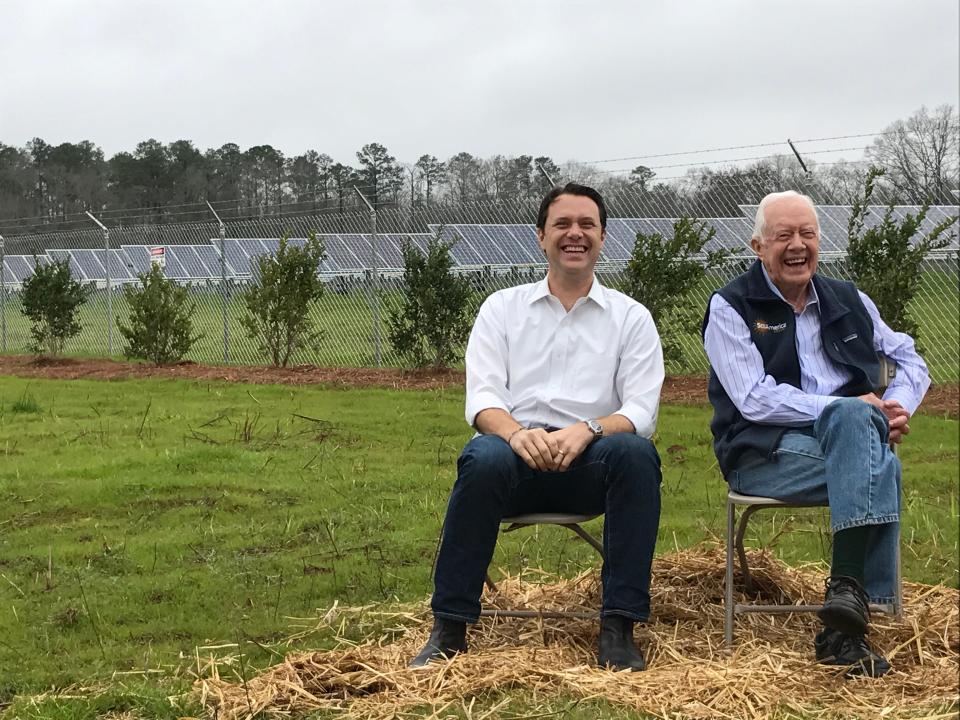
x: 494, y: 245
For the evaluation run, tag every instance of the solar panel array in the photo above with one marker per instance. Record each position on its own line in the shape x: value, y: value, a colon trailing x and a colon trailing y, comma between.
x: 472, y: 245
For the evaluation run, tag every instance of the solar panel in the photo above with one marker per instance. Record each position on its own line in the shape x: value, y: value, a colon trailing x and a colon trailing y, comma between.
x: 90, y: 264
x: 461, y: 251
x: 253, y: 249
x: 526, y: 237
x: 359, y: 245
x: 340, y: 255
x: 75, y: 270
x: 515, y: 252
x: 840, y: 215
x: 139, y: 258
x: 118, y: 264
x: 621, y: 237
x: 210, y: 258
x: 483, y: 247
x: 237, y: 258
x: 172, y: 267
x: 421, y: 241
x: 181, y: 255
x: 19, y: 267
x: 388, y: 251
x: 732, y: 234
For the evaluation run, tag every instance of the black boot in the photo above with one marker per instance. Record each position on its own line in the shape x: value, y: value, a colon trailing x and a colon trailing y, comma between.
x: 851, y: 651
x: 447, y: 638
x: 845, y: 606
x: 617, y: 649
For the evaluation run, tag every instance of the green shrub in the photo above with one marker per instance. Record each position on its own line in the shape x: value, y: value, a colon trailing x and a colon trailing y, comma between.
x: 432, y: 322
x: 51, y: 299
x: 660, y: 274
x: 882, y: 261
x: 277, y: 306
x: 161, y: 319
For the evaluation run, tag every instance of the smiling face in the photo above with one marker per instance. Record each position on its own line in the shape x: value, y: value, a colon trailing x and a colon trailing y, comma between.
x: 790, y: 245
x: 572, y: 237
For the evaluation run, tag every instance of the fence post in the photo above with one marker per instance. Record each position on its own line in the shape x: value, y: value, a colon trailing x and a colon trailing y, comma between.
x: 374, y: 255
x: 106, y: 244
x: 224, y: 290
x: 3, y: 293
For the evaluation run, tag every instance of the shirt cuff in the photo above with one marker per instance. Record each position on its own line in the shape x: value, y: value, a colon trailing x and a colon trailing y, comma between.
x: 483, y: 401
x: 643, y: 423
x: 903, y: 396
x: 820, y: 403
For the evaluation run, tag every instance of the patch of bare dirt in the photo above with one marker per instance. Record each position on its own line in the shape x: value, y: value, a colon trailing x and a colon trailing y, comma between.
x: 942, y: 399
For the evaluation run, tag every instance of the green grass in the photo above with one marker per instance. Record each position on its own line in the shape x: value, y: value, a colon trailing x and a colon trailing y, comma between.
x: 142, y: 519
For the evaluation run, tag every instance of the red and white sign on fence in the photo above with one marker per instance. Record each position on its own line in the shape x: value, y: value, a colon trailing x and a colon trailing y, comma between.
x: 158, y: 256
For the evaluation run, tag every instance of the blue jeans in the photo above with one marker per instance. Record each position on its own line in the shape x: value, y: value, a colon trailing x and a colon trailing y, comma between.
x: 617, y: 475
x: 844, y: 461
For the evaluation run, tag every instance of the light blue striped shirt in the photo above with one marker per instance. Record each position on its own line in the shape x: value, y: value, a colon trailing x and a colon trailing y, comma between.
x: 760, y: 399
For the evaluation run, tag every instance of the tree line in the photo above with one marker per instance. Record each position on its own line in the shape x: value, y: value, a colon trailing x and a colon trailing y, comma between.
x: 45, y: 184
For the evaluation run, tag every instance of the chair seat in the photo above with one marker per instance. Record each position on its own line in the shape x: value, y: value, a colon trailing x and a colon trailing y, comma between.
x: 738, y: 499
x: 548, y: 519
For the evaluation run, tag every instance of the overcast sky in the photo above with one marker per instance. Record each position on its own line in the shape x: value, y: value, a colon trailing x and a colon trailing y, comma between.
x: 569, y: 79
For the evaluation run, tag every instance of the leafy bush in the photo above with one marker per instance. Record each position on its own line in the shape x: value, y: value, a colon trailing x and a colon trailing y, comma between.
x: 883, y: 262
x: 660, y: 274
x: 277, y: 307
x: 51, y: 299
x: 432, y: 323
x: 161, y: 319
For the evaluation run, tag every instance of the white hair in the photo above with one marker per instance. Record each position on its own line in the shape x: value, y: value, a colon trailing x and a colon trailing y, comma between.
x: 759, y: 223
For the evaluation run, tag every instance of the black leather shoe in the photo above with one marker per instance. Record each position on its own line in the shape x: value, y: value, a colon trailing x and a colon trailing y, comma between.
x: 845, y: 606
x: 617, y: 649
x: 447, y: 638
x: 836, y: 648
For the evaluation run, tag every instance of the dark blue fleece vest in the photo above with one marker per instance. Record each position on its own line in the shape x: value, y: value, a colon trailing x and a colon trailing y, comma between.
x: 847, y: 334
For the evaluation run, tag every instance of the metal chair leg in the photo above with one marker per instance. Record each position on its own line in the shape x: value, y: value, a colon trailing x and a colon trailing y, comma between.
x: 728, y: 609
x: 586, y: 537
x: 738, y: 545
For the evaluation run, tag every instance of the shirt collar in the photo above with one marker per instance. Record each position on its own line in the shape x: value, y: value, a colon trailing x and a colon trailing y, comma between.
x: 542, y: 290
x: 812, y: 298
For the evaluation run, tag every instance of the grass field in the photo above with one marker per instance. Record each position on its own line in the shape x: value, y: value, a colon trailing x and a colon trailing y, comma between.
x: 141, y: 520
x: 347, y: 321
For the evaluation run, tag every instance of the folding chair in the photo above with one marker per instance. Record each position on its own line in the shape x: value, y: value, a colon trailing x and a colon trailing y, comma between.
x: 569, y: 521
x: 754, y: 503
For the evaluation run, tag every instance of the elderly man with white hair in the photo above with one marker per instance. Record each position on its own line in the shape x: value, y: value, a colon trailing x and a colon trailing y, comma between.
x: 794, y: 362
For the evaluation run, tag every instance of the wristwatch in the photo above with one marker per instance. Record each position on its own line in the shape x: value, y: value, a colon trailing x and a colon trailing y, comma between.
x: 596, y: 428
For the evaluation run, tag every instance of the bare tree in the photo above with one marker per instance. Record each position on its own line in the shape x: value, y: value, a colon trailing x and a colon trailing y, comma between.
x: 920, y: 154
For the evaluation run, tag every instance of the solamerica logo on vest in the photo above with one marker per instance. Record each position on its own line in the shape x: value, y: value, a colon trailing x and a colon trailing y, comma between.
x: 762, y: 327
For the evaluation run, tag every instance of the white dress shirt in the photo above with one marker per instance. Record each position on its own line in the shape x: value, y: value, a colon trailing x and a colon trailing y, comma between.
x: 551, y: 368
x: 760, y: 399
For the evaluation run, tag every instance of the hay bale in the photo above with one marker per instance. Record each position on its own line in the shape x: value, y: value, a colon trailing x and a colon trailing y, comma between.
x: 690, y: 674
